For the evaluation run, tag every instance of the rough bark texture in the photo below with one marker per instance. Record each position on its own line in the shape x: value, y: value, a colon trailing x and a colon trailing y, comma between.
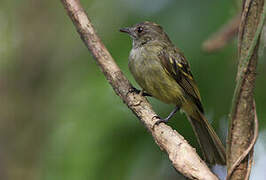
x: 241, y: 132
x: 183, y: 157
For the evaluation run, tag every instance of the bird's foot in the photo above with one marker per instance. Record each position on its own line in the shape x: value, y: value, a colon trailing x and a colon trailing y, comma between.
x: 161, y: 120
x: 137, y: 91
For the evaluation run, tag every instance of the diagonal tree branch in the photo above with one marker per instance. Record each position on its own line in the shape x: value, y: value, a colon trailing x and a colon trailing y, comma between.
x: 183, y: 157
x: 243, y: 127
x: 223, y: 36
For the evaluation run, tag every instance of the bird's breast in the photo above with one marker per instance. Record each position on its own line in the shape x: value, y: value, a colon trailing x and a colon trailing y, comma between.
x: 147, y: 70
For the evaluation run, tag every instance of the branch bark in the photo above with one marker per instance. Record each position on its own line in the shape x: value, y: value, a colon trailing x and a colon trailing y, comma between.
x: 183, y: 157
x: 243, y: 128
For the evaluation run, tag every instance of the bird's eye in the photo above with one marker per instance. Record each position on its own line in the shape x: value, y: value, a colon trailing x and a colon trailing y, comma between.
x: 139, y: 29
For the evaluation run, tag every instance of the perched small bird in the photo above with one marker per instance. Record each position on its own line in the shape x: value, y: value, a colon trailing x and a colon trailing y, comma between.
x: 163, y: 72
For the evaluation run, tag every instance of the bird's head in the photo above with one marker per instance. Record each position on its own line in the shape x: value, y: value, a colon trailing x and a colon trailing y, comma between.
x: 145, y: 32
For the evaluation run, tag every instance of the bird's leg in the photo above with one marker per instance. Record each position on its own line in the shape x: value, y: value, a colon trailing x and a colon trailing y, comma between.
x: 140, y: 92
x: 168, y: 117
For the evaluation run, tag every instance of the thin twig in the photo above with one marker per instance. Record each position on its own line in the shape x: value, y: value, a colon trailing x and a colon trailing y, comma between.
x: 183, y: 157
x: 223, y: 36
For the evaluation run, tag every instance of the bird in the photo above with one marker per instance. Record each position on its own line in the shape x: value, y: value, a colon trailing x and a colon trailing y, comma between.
x: 163, y: 72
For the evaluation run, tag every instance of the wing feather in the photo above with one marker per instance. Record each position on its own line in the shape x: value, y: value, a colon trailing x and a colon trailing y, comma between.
x: 176, y: 65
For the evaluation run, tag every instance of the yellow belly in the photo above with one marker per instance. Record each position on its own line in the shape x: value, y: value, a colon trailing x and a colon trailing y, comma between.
x: 151, y: 76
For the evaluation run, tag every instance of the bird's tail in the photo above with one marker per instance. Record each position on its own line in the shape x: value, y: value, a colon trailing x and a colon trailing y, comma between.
x: 211, y: 146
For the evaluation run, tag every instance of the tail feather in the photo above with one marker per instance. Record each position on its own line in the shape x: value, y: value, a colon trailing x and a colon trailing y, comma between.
x: 211, y: 146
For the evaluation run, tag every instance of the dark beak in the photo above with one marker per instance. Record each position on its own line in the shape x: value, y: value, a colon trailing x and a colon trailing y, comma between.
x: 125, y: 30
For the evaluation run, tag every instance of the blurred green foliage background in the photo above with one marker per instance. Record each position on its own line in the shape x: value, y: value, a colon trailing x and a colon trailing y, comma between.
x: 60, y: 119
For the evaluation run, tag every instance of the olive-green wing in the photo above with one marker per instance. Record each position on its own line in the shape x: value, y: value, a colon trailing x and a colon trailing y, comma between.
x: 176, y: 65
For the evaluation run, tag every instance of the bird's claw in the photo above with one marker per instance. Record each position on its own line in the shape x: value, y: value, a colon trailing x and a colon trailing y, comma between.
x: 137, y: 91
x: 134, y: 90
x: 158, y: 121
